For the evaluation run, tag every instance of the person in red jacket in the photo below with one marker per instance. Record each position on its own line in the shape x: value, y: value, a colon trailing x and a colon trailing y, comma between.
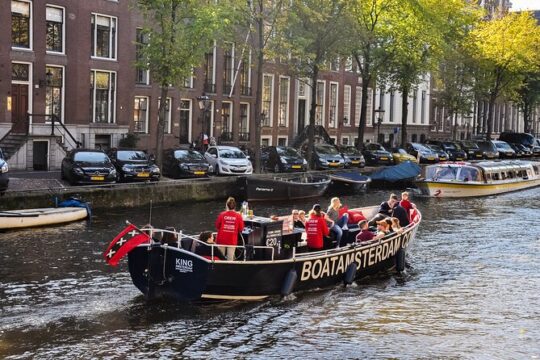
x: 316, y: 229
x: 229, y: 224
x: 406, y: 204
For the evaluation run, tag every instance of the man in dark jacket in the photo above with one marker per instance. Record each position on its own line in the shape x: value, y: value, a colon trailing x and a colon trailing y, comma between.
x: 385, y: 209
x: 399, y: 212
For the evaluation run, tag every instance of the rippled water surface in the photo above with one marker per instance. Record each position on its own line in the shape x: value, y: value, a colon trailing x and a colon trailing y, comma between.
x: 471, y: 290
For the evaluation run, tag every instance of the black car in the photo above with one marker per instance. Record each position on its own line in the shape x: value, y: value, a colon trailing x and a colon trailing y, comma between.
x: 352, y: 156
x: 185, y: 163
x: 504, y: 149
x: 4, y: 168
x: 86, y: 166
x: 451, y: 148
x: 376, y: 154
x: 489, y: 150
x: 521, y: 150
x: 472, y: 150
x: 326, y: 156
x: 443, y: 155
x: 422, y: 153
x: 282, y: 159
x: 133, y: 165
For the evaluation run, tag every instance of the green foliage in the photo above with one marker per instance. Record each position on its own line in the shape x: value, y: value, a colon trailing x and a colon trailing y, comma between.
x: 129, y: 141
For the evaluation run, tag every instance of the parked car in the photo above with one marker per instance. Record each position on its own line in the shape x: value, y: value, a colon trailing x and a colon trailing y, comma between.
x: 185, y: 163
x: 422, y: 153
x: 472, y: 149
x: 521, y: 150
x: 228, y: 160
x: 133, y: 165
x: 451, y: 148
x: 489, y: 150
x: 401, y: 155
x: 505, y: 150
x: 282, y: 159
x: 518, y: 138
x: 536, y: 147
x: 443, y: 156
x: 352, y: 156
x: 326, y: 156
x: 4, y: 169
x: 376, y: 154
x: 87, y: 166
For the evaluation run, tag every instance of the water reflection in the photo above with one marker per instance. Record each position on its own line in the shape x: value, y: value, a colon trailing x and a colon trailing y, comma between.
x: 470, y: 291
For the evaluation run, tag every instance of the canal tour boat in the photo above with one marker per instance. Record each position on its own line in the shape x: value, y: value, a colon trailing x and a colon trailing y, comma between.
x: 272, y: 260
x: 464, y: 179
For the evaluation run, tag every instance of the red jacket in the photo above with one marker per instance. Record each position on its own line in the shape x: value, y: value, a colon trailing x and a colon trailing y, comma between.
x: 229, y: 224
x: 407, y: 205
x: 316, y: 228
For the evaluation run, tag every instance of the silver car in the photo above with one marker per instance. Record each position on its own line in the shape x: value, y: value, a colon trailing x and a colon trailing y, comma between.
x: 228, y: 160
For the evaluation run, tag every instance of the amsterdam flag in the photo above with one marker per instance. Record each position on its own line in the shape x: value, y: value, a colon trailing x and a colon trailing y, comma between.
x: 123, y: 243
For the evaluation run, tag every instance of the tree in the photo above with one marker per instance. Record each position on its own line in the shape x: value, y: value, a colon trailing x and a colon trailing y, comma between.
x: 178, y: 32
x: 313, y: 38
x: 528, y: 97
x: 506, y: 49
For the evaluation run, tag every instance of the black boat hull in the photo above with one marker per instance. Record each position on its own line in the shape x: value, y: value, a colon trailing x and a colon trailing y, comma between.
x: 163, y: 271
x: 264, y: 189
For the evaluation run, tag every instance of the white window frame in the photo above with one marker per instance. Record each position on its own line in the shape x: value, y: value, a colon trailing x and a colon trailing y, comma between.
x: 335, y: 85
x: 266, y: 137
x: 62, y: 96
x: 63, y: 52
x: 112, y: 112
x: 231, y: 114
x: 270, y: 115
x: 168, y: 115
x: 334, y: 139
x: 145, y: 131
x: 94, y: 45
x: 323, y: 106
x: 347, y: 92
x: 282, y: 137
x: 288, y: 79
x: 31, y: 28
x: 248, y: 115
x: 345, y: 138
x: 147, y: 71
x: 190, y: 112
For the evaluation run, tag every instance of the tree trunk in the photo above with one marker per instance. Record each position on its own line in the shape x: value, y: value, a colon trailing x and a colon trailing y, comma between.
x: 312, y: 111
x: 492, y: 99
x: 363, y: 113
x: 161, y: 125
x: 527, y: 118
x: 258, y: 93
x: 404, y: 112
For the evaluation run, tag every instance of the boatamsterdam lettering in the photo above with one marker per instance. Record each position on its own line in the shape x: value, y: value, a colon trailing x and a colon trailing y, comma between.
x: 364, y: 257
x: 184, y: 265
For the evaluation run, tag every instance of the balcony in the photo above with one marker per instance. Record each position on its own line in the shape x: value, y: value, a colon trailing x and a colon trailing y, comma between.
x: 243, y: 136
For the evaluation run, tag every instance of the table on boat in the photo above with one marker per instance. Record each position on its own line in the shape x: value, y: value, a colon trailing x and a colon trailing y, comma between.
x: 262, y: 231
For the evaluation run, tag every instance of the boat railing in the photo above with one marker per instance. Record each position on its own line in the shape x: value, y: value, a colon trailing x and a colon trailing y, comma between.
x: 178, y: 237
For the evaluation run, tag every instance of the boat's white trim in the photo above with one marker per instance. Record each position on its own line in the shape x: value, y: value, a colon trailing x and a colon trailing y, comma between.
x: 17, y: 219
x: 234, y: 297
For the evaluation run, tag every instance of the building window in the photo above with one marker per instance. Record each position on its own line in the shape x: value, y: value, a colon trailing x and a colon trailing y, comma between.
x: 319, y: 112
x: 266, y: 141
x: 414, y: 107
x: 20, y: 24
x: 345, y: 140
x: 103, y: 95
x: 358, y: 106
x: 301, y: 89
x: 142, y: 73
x: 167, y: 120
x: 423, y: 108
x: 268, y: 91
x: 140, y: 114
x: 349, y: 64
x: 392, y: 100
x: 282, y: 141
x: 244, y: 122
x: 347, y: 105
x: 209, y: 84
x: 226, y: 120
x: 54, y: 92
x: 55, y: 29
x: 188, y: 81
x: 228, y: 68
x: 185, y: 121
x: 245, y: 76
x: 283, y: 101
x: 333, y: 108
x: 334, y: 64
x: 20, y: 72
x: 104, y: 36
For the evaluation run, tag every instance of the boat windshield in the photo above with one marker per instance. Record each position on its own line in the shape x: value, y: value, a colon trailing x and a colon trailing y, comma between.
x: 128, y: 155
x: 326, y: 150
x: 231, y: 154
x: 188, y: 155
x: 441, y: 172
x: 468, y: 173
x: 286, y: 151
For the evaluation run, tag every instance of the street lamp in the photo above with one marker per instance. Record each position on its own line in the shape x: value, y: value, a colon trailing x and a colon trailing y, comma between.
x: 204, y: 106
x: 379, y: 120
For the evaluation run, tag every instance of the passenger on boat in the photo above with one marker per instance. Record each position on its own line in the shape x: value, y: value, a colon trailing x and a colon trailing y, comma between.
x: 395, y: 226
x: 205, y: 250
x: 383, y: 228
x: 302, y: 217
x: 338, y: 223
x: 297, y: 223
x: 229, y: 225
x: 316, y: 229
x: 399, y: 212
x: 365, y: 234
x: 385, y: 209
x: 170, y: 237
x: 407, y: 204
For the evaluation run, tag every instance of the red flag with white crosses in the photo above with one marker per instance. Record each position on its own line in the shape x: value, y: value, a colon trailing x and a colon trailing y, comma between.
x: 123, y: 243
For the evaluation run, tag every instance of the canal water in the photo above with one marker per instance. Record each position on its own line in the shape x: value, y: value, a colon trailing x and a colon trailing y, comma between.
x: 471, y: 290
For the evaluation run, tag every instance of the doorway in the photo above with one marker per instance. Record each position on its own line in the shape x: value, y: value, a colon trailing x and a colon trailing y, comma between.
x: 19, y: 109
x: 41, y: 155
x: 301, y: 115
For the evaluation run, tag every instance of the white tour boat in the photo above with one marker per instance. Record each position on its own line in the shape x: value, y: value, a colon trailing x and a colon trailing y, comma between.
x: 464, y: 179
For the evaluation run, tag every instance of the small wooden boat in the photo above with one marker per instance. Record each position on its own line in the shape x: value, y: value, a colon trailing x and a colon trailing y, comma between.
x: 40, y: 217
x: 350, y: 179
x: 272, y: 261
x: 464, y: 179
x: 285, y: 187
